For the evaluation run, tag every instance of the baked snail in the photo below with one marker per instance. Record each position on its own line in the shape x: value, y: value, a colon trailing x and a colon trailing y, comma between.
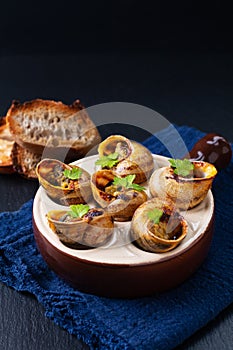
x: 125, y: 157
x: 119, y: 196
x: 65, y: 184
x: 184, y: 183
x: 81, y: 226
x: 157, y: 228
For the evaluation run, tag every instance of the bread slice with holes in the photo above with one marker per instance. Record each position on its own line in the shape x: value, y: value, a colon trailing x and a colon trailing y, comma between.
x: 65, y: 131
x: 14, y: 158
x: 25, y: 161
x: 6, y: 145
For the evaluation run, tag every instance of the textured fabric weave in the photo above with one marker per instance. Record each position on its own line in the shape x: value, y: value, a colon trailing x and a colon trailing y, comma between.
x: 156, y: 322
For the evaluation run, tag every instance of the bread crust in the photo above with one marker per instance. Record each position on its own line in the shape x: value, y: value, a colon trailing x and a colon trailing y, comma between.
x: 44, y: 110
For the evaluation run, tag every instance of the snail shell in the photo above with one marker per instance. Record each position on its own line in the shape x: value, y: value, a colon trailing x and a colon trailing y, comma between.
x: 121, y: 205
x: 92, y: 230
x: 162, y: 237
x: 59, y: 189
x: 184, y: 193
x: 134, y: 157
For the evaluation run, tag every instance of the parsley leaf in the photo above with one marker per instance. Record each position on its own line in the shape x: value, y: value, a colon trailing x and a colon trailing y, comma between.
x: 155, y: 215
x: 72, y: 174
x: 79, y: 210
x: 127, y: 182
x: 182, y: 167
x: 108, y: 161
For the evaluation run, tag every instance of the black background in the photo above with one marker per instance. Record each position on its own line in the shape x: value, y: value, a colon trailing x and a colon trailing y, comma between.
x: 78, y: 26
x: 173, y: 56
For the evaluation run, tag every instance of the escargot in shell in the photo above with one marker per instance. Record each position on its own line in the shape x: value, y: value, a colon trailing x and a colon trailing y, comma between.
x: 81, y: 226
x: 65, y: 184
x: 125, y: 158
x: 157, y: 228
x: 184, y: 183
x: 119, y: 196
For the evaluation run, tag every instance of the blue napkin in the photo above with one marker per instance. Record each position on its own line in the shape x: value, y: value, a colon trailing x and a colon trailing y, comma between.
x: 156, y: 322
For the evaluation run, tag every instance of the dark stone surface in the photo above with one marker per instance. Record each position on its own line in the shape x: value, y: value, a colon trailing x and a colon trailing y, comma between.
x: 189, y: 89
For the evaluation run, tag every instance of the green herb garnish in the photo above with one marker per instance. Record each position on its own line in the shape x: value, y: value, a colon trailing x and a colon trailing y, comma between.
x: 78, y: 210
x: 72, y: 174
x: 155, y: 215
x: 108, y: 161
x: 127, y: 182
x: 182, y: 167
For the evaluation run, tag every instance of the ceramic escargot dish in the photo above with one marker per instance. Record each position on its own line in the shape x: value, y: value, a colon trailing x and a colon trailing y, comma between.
x: 119, y: 196
x: 125, y: 157
x: 116, y: 227
x: 184, y: 183
x: 81, y: 226
x: 157, y: 228
x: 65, y: 184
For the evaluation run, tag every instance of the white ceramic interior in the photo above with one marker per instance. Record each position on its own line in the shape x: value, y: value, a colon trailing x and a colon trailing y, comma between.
x: 120, y: 250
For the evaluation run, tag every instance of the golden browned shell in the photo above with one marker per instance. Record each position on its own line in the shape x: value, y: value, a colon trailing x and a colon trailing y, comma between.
x: 184, y: 193
x: 161, y: 237
x: 134, y: 157
x: 61, y: 189
x: 120, y: 204
x: 92, y: 230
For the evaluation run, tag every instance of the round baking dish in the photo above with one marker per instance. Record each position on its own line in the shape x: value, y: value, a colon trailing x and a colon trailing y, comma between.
x: 120, y: 268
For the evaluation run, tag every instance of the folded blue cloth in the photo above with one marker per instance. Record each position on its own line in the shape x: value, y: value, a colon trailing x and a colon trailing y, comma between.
x: 156, y: 322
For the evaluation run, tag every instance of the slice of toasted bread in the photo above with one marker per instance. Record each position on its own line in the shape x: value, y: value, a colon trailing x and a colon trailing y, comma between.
x: 43, y: 123
x: 24, y: 161
x: 5, y: 133
x: 6, y: 145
